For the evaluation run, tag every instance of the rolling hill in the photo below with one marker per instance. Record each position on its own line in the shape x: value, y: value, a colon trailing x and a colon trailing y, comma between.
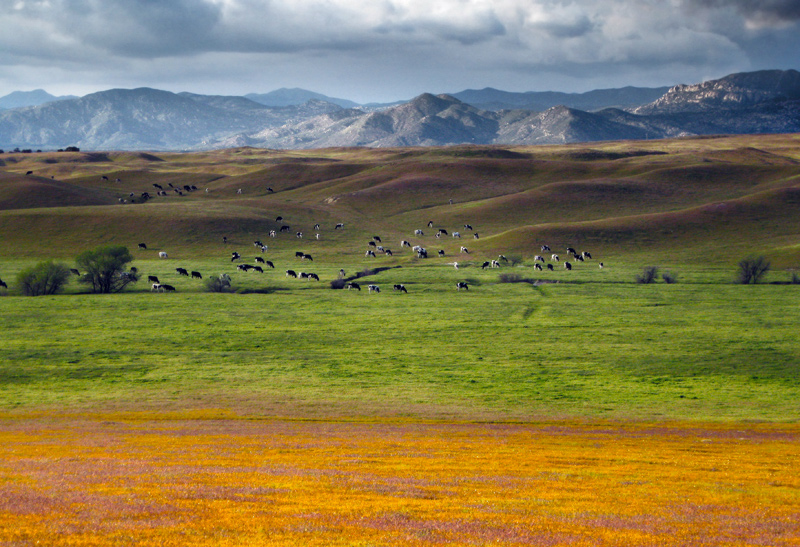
x: 683, y: 199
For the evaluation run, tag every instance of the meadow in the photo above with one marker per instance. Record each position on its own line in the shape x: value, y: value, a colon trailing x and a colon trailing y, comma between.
x: 567, y: 408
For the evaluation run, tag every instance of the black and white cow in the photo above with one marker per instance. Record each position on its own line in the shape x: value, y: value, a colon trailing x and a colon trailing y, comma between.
x: 400, y: 287
x: 462, y: 285
x: 182, y: 271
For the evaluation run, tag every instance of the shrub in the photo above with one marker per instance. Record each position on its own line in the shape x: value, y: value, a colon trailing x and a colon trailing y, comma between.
x: 43, y: 278
x: 669, y: 277
x: 752, y: 269
x: 794, y: 279
x: 338, y: 284
x: 649, y: 275
x: 105, y: 269
x: 219, y: 284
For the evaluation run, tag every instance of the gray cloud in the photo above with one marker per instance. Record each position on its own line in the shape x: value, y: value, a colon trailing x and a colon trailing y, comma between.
x: 388, y: 48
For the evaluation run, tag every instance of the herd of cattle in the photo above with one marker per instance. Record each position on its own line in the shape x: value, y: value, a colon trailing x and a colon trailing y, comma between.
x: 375, y: 247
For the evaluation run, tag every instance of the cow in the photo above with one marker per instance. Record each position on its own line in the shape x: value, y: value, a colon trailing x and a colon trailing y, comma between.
x: 538, y: 258
x: 278, y: 219
x: 502, y: 257
x: 341, y: 273
x: 462, y: 285
x: 291, y: 273
x: 495, y: 264
x: 258, y: 269
x: 270, y: 264
x: 476, y: 236
x: 182, y: 271
x: 316, y: 227
x: 388, y: 252
x: 74, y: 272
x: 377, y: 238
x: 31, y: 172
x: 372, y: 244
x: 485, y: 265
x: 313, y: 276
x: 299, y: 254
x: 244, y: 267
x: 405, y: 243
x: 307, y: 257
x: 579, y: 258
x: 554, y: 257
x: 442, y: 231
x: 550, y: 267
x: 156, y: 287
x: 299, y: 235
x: 455, y: 265
x: 374, y: 288
x: 3, y: 284
x: 153, y: 279
x: 430, y: 224
x: 105, y: 178
x: 464, y: 250
x: 571, y: 251
x: 259, y: 260
x: 302, y: 275
x: 353, y: 285
x: 585, y: 254
x: 168, y: 288
x: 567, y: 265
x: 537, y: 266
x: 142, y: 246
x: 258, y: 243
x: 545, y: 248
x: 601, y: 265
x: 422, y: 253
x: 338, y: 226
x: 235, y: 256
x: 272, y: 233
x: 441, y: 252
x: 400, y: 287
x: 286, y: 228
x: 162, y: 254
x: 370, y: 253
x: 468, y: 227
x: 196, y: 275
x: 457, y: 234
x: 418, y: 232
x: 269, y: 190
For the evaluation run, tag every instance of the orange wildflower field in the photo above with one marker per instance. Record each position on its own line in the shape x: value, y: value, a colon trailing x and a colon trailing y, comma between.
x: 214, y: 480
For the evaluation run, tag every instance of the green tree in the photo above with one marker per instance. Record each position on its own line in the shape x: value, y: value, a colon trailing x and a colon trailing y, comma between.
x: 105, y: 268
x: 43, y: 278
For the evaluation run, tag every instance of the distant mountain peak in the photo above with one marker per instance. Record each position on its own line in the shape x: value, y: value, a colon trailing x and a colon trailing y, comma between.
x: 20, y: 99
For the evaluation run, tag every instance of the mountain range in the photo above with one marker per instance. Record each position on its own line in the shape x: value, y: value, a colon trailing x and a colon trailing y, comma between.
x: 151, y: 119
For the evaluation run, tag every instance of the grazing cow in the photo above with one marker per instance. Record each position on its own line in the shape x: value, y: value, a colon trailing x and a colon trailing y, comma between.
x: 196, y: 275
x: 182, y: 271
x: 468, y: 227
x: 370, y: 253
x: 307, y: 257
x: 442, y: 231
x: 537, y: 266
x: 353, y: 285
x: 550, y: 267
x: 495, y: 264
x: 374, y: 288
x: 291, y: 273
x: 338, y: 226
x: 158, y: 186
x: 579, y: 258
x: 317, y: 236
x: 313, y: 276
x: 272, y: 233
x: 502, y: 257
x: 422, y: 253
x: 258, y: 243
x: 554, y: 257
x: 278, y: 219
x: 441, y: 252
x: 601, y: 265
x: 270, y: 264
x: 485, y: 265
x: 105, y: 178
x: 457, y: 234
x: 269, y: 190
x: 142, y: 246
x: 235, y: 256
x: 571, y: 251
x: 31, y: 172
x: 418, y: 232
x: 299, y: 254
x: 286, y: 228
x: 168, y: 288
x: 388, y: 252
x: 380, y: 249
x: 3, y: 284
x: 476, y: 236
x: 545, y: 248
x: 372, y: 244
x: 584, y: 254
x: 259, y: 260
x: 74, y: 271
x: 538, y: 258
x: 153, y: 279
x: 244, y: 267
x: 430, y: 224
x: 258, y: 269
x: 316, y: 227
x: 155, y: 287
x: 438, y: 235
x: 567, y: 265
x: 162, y: 254
x: 377, y: 238
x: 239, y: 191
x: 462, y: 285
x: 187, y: 187
x: 405, y: 243
x: 400, y: 287
x: 341, y: 273
x: 464, y: 250
x: 299, y: 235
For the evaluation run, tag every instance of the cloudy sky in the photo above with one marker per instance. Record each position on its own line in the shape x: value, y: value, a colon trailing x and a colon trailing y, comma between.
x: 385, y: 50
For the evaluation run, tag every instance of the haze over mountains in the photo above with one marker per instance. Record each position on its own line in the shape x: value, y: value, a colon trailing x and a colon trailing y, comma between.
x: 150, y: 119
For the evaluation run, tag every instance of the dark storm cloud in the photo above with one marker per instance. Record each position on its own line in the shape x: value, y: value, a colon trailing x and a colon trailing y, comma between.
x: 760, y: 12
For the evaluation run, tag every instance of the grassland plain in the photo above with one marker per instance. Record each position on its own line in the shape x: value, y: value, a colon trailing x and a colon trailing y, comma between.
x: 584, y: 410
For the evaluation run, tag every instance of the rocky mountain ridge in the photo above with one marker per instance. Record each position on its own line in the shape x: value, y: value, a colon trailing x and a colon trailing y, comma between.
x: 150, y: 119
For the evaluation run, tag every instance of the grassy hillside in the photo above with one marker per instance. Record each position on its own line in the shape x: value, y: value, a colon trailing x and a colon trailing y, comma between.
x: 683, y: 199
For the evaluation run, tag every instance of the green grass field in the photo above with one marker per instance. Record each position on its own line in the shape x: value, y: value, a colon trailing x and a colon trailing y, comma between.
x: 589, y: 344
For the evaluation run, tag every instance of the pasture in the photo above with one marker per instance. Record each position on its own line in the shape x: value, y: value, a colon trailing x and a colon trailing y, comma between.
x: 570, y: 407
